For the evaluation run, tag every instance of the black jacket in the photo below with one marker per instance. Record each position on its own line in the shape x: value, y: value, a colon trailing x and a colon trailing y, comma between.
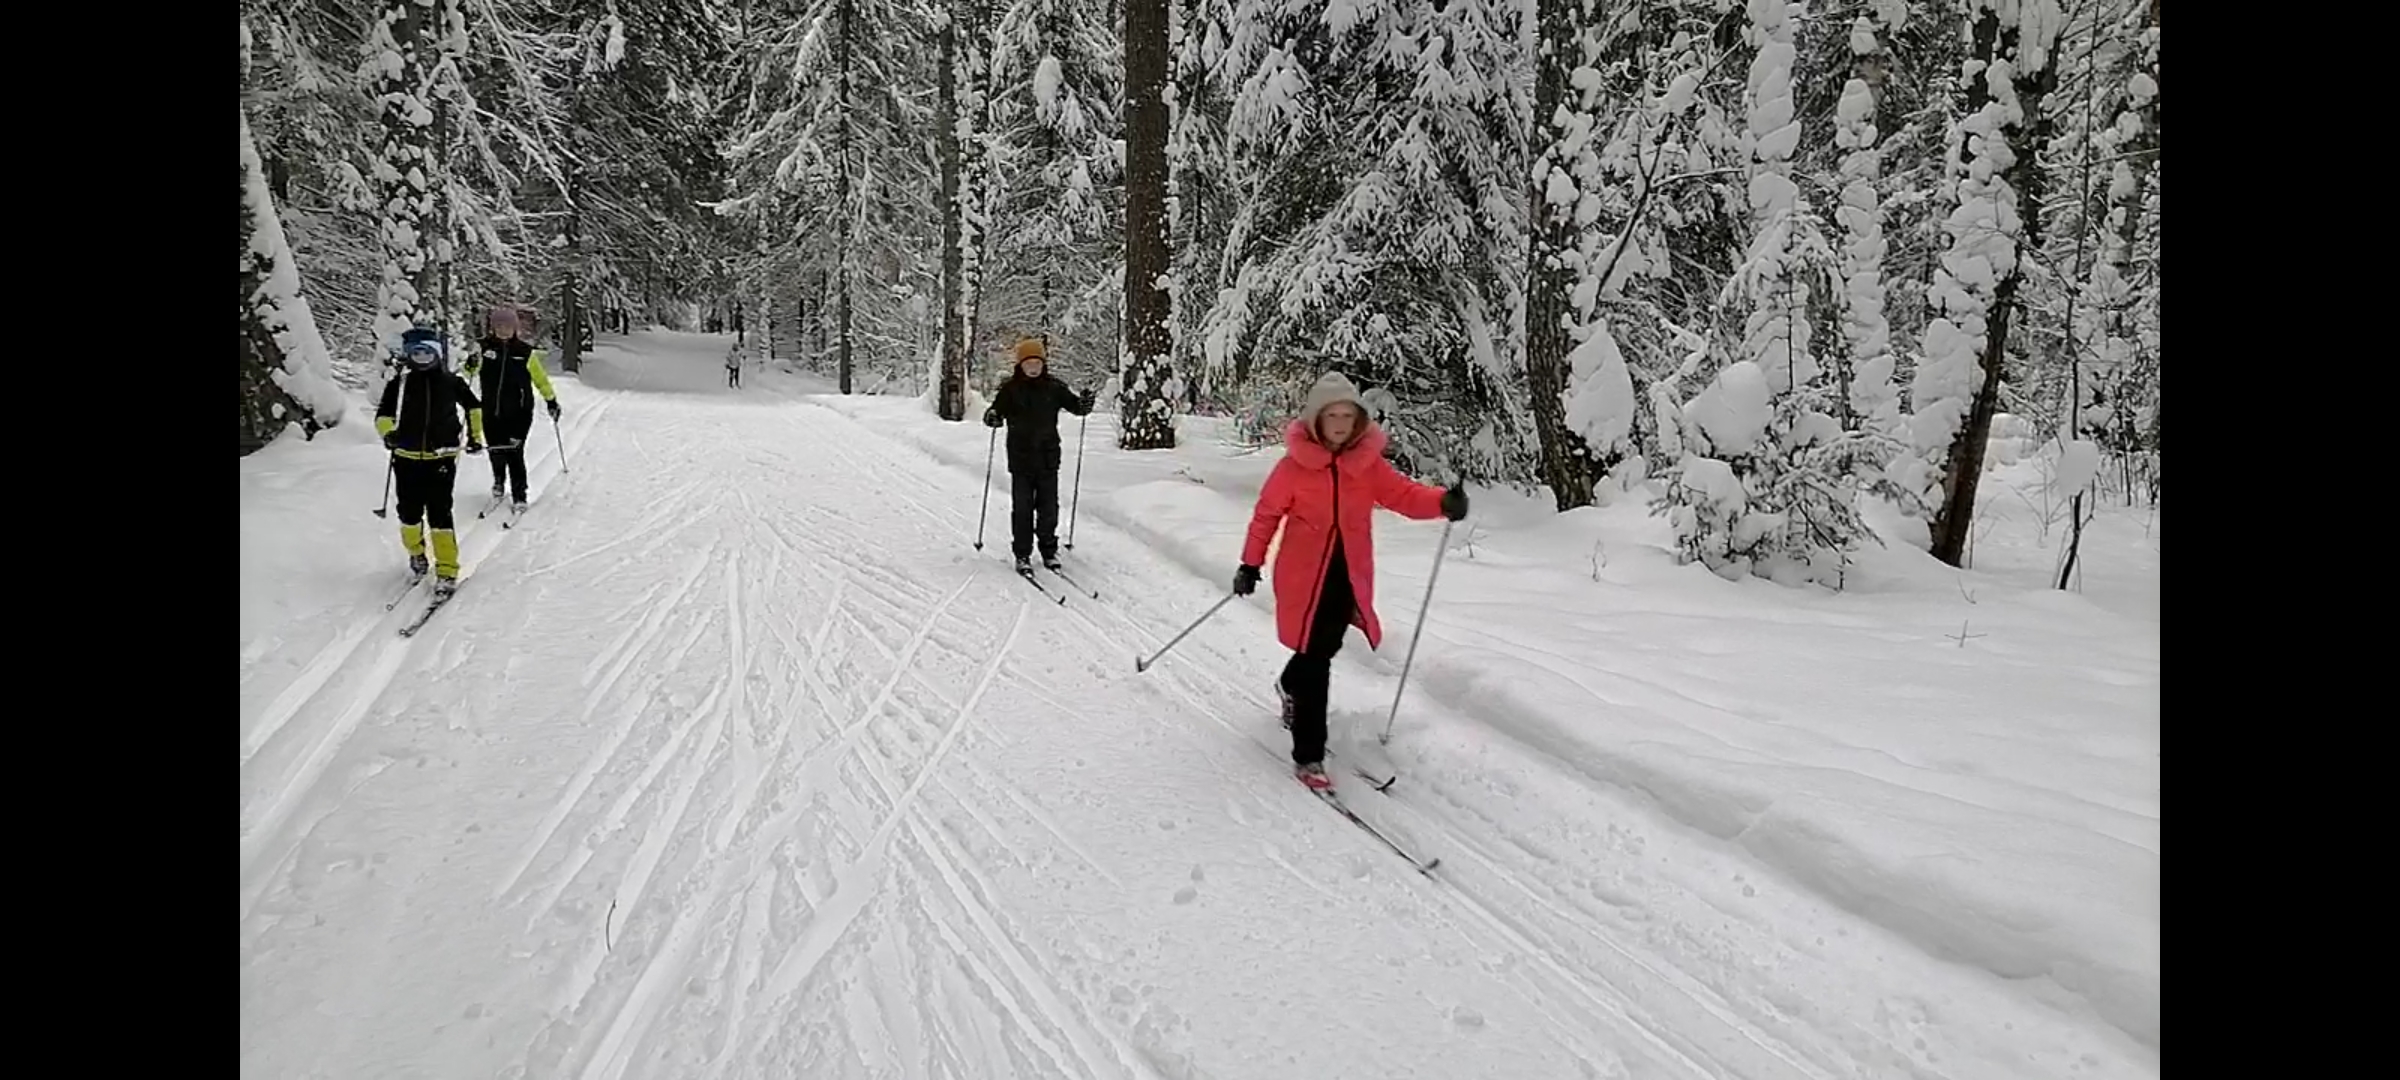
x: 422, y: 408
x: 1030, y: 406
x: 510, y: 371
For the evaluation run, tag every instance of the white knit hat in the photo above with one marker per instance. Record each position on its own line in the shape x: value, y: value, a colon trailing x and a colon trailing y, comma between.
x: 1331, y: 387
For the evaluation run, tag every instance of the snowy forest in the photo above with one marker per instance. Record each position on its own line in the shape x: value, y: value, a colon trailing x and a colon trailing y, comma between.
x: 1758, y: 263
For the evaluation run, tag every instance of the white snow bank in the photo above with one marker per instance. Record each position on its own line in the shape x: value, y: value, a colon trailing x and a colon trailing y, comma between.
x: 1965, y: 758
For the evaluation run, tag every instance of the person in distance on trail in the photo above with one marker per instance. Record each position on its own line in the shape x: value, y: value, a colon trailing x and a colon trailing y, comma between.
x: 733, y: 367
x: 419, y: 421
x: 1322, y: 494
x: 510, y: 371
x: 1028, y: 402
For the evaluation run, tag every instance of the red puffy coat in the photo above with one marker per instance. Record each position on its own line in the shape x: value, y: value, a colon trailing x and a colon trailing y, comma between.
x: 1311, y: 492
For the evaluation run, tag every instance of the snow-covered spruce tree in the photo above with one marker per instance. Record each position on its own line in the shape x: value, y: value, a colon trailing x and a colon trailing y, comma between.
x: 1997, y: 181
x: 835, y: 154
x: 287, y: 376
x: 1868, y: 399
x: 314, y: 126
x: 1057, y: 249
x: 1146, y: 388
x: 404, y: 48
x: 2119, y: 400
x: 1383, y: 229
x: 1616, y: 105
x: 1564, y: 155
x: 1658, y: 196
x: 1764, y: 486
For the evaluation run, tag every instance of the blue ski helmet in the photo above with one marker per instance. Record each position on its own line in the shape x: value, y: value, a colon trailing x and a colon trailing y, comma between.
x: 421, y: 347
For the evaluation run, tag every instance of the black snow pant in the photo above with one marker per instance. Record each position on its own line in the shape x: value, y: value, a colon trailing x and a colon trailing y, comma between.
x: 1033, y: 511
x: 508, y: 466
x: 733, y: 376
x: 424, y: 488
x: 1306, y: 675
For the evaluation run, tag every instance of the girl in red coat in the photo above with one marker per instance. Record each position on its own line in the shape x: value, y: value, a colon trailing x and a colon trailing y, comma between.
x: 1322, y: 494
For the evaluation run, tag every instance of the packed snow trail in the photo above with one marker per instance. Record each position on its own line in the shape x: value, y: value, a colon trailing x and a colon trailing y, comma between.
x: 736, y: 760
x: 749, y: 766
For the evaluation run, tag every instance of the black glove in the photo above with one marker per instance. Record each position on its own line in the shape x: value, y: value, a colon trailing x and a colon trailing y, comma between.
x: 1454, y: 503
x: 474, y: 446
x: 553, y: 409
x: 1091, y: 397
x: 1245, y: 580
x: 391, y: 440
x: 991, y: 418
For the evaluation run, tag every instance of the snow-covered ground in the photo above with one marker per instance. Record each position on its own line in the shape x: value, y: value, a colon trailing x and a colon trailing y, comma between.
x: 739, y: 699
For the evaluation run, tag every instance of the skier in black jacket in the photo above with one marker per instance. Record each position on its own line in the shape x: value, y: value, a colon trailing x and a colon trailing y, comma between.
x: 1029, y: 402
x: 419, y: 421
x: 511, y: 373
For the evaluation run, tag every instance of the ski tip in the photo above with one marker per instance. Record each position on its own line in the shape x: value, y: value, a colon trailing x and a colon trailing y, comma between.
x: 1426, y: 868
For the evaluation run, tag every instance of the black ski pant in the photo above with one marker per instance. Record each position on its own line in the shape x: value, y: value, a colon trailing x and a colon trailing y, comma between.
x: 424, y: 489
x: 1033, y: 511
x: 733, y: 376
x: 1306, y: 675
x: 508, y: 465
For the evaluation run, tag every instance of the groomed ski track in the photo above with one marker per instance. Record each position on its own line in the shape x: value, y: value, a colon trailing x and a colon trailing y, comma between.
x: 735, y: 760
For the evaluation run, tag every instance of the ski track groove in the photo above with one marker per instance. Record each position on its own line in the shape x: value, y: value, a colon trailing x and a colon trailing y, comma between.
x: 811, y: 769
x: 850, y: 894
x: 613, y: 819
x: 1571, y: 924
x: 267, y: 829
x: 952, y: 864
x: 618, y: 659
x: 672, y: 956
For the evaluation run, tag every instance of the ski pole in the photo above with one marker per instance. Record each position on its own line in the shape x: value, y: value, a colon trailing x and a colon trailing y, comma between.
x: 1078, y: 503
x: 385, y: 510
x: 1416, y: 635
x: 562, y: 445
x: 1144, y: 665
x: 988, y: 452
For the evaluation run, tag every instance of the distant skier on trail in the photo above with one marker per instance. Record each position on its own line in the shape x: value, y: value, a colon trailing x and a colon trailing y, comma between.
x: 419, y: 421
x: 1029, y: 402
x: 733, y: 367
x: 510, y: 371
x: 1322, y: 495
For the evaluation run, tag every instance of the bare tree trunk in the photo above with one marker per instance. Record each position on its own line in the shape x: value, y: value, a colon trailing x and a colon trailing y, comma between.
x: 952, y: 402
x: 843, y: 211
x: 1147, y: 415
x: 1550, y: 270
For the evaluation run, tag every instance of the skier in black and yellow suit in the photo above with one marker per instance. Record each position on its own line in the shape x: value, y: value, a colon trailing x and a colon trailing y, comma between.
x: 509, y: 371
x: 419, y: 422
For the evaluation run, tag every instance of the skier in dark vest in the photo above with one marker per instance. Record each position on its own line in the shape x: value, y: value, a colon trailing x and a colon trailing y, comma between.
x: 419, y: 419
x: 510, y: 371
x: 1029, y: 402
